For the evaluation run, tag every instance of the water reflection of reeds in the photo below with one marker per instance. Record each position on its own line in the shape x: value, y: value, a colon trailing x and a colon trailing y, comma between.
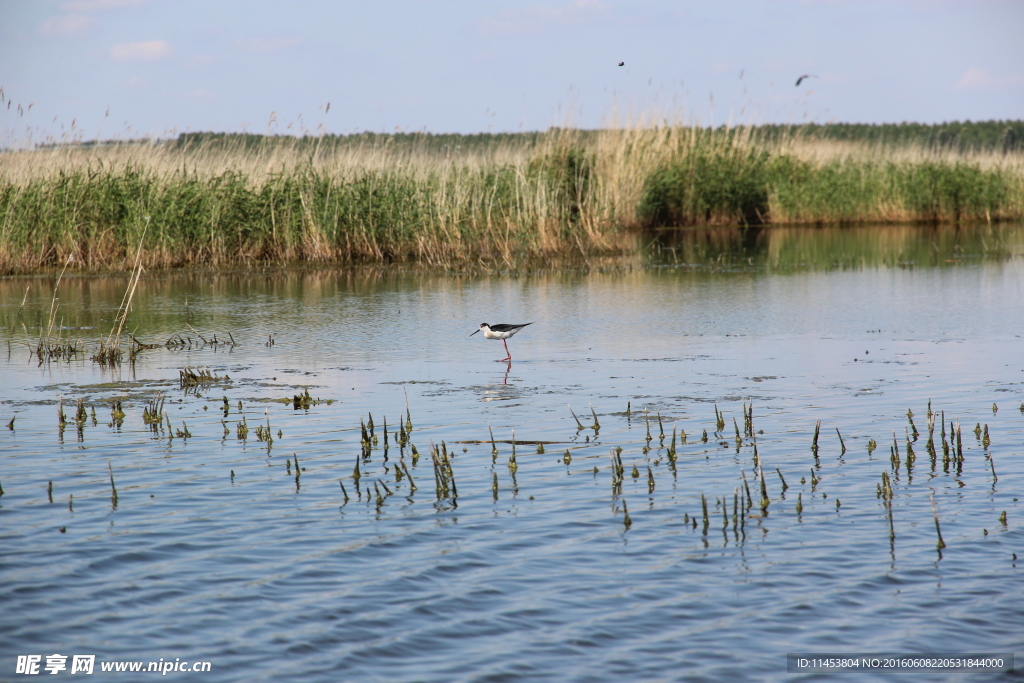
x: 796, y: 247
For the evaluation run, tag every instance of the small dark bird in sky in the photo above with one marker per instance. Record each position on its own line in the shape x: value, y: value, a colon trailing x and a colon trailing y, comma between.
x: 799, y: 80
x: 622, y: 64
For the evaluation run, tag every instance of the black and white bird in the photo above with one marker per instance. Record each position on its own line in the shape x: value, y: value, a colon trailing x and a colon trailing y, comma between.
x: 801, y: 79
x: 502, y: 332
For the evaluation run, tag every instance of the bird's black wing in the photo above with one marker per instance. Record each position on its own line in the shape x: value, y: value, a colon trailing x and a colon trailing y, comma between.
x: 507, y: 328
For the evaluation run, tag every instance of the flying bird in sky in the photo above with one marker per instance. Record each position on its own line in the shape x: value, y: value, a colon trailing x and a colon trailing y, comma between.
x: 622, y: 64
x: 799, y: 80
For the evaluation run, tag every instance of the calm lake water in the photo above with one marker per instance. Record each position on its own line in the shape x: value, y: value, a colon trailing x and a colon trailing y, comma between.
x: 548, y: 566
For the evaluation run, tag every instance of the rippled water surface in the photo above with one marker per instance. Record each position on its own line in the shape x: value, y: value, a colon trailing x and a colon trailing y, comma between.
x: 542, y: 566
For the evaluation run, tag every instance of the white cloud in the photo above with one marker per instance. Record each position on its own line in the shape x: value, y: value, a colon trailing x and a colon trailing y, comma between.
x: 67, y: 24
x: 77, y: 15
x: 983, y: 78
x: 540, y: 19
x: 267, y: 43
x: 146, y: 51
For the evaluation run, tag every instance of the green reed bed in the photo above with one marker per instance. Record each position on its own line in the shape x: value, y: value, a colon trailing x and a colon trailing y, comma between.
x: 854, y: 191
x: 746, y: 185
x: 564, y: 194
x: 455, y: 216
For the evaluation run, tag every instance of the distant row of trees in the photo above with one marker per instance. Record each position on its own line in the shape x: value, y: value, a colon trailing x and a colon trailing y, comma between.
x: 430, y: 142
x: 1002, y: 136
x: 999, y: 136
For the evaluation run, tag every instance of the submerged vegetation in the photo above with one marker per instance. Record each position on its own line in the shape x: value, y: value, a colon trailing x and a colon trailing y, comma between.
x: 488, y: 201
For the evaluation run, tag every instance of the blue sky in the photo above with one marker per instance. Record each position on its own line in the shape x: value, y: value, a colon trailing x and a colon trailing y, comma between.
x: 128, y: 68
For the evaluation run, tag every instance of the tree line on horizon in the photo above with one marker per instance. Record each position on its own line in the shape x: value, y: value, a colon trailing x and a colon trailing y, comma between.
x: 967, y: 136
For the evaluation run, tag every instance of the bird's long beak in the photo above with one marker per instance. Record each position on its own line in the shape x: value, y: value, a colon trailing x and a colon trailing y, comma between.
x: 474, y: 332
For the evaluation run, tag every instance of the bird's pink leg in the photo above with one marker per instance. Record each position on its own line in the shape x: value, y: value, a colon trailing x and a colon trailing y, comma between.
x: 509, y: 357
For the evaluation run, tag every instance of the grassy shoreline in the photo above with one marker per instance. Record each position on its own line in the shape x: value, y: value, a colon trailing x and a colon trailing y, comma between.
x: 516, y: 201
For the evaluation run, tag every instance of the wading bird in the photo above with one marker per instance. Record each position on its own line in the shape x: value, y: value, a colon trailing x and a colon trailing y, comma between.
x: 800, y: 80
x: 501, y: 332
